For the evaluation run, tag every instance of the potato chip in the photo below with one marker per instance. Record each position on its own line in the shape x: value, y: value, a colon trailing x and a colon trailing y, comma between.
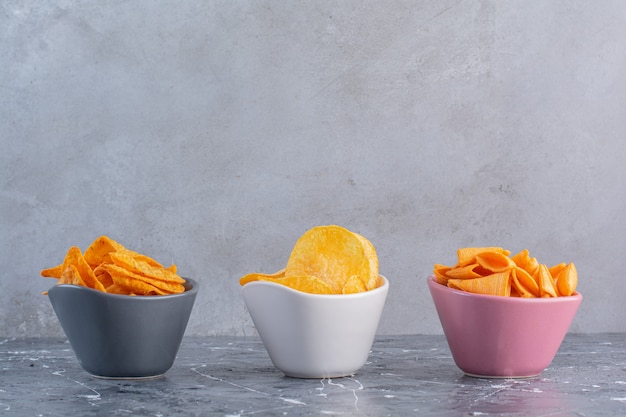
x: 309, y: 284
x: 327, y: 260
x: 491, y: 270
x: 255, y: 276
x: 354, y: 285
x: 333, y: 254
x: 110, y: 267
x: 372, y: 258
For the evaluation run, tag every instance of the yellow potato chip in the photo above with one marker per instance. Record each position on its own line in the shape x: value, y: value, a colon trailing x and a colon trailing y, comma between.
x: 354, y: 285
x: 372, y: 258
x: 333, y: 254
x: 256, y: 276
x: 327, y: 260
x: 308, y: 284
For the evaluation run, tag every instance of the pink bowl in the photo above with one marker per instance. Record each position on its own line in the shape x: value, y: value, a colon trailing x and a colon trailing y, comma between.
x: 502, y: 337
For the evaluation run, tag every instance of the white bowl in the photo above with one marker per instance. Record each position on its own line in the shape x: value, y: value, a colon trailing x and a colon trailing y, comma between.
x: 312, y: 335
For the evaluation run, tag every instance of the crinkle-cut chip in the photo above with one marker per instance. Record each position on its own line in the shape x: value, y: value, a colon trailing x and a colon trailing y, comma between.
x: 129, y: 262
x: 257, y: 276
x: 546, y: 283
x: 494, y: 284
x: 354, y: 285
x: 521, y: 258
x: 494, y: 261
x: 75, y: 258
x: 525, y: 279
x: 519, y: 288
x: 567, y: 280
x: 467, y: 272
x: 99, y: 250
x: 166, y: 287
x: 440, y: 271
x: 467, y: 256
x: 556, y: 269
x: 309, y: 284
x: 333, y: 254
x: 71, y: 276
x: 54, y: 272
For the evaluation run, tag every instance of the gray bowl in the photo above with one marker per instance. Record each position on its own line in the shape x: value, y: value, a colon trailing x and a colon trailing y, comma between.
x: 121, y: 336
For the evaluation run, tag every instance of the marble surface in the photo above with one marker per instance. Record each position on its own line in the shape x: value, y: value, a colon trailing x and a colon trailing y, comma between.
x: 230, y: 376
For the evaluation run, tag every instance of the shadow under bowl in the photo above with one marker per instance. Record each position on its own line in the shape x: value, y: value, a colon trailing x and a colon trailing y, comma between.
x: 122, y: 336
x: 313, y: 335
x: 502, y: 337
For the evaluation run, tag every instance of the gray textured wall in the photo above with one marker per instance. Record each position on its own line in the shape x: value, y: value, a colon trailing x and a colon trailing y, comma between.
x: 213, y: 134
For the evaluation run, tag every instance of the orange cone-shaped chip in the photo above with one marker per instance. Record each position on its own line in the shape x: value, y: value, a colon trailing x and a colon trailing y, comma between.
x: 494, y: 284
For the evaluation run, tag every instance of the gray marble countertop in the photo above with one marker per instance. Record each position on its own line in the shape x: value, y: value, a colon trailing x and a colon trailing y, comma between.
x: 226, y: 376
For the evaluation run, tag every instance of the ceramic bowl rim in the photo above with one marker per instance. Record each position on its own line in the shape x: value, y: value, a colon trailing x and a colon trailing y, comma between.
x: 303, y: 294
x: 193, y: 289
x: 536, y: 300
